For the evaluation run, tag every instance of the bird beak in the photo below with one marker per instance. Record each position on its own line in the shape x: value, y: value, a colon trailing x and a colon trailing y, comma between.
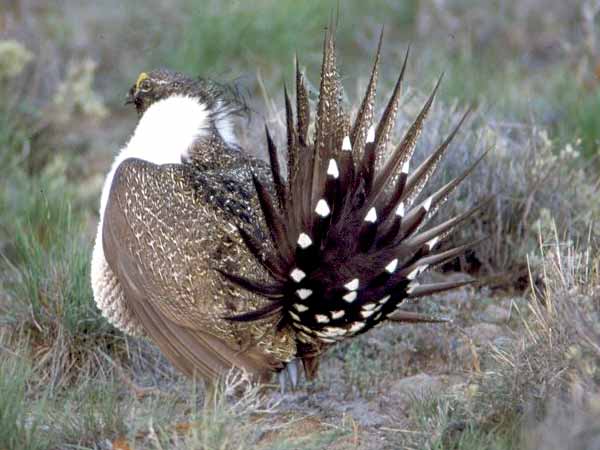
x: 131, y: 95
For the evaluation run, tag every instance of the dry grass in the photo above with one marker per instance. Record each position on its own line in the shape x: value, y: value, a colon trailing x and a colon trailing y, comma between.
x: 540, y: 391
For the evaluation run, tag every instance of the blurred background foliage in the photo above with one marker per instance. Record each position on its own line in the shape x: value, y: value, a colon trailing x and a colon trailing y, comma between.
x: 521, y: 59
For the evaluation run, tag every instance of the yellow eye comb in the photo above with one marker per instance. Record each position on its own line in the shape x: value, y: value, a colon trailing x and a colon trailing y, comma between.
x: 143, y: 76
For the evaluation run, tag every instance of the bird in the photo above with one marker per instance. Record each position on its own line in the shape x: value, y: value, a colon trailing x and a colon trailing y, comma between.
x: 169, y: 208
x: 227, y: 261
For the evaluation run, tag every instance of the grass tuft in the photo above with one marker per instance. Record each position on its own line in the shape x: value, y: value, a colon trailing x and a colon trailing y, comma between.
x: 20, y: 419
x: 48, y: 287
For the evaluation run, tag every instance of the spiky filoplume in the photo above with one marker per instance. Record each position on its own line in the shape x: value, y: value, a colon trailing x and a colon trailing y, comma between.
x: 346, y: 226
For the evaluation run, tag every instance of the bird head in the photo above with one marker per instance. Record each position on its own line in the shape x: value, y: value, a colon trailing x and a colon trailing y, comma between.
x: 220, y: 101
x: 160, y: 84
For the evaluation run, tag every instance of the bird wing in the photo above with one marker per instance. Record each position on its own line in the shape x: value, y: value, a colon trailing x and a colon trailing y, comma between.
x: 165, y: 269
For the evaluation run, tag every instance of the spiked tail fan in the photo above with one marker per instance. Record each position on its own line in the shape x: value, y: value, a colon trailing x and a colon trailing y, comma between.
x: 346, y: 235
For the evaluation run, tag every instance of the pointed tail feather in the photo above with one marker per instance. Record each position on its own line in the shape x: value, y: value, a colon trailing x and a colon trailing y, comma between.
x: 275, y: 170
x: 364, y: 117
x: 413, y: 317
x: 388, y: 119
x: 417, y: 180
x: 405, y: 149
x: 302, y: 108
x: 422, y: 290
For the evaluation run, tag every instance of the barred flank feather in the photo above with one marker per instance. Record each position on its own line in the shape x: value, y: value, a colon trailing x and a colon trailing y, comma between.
x: 346, y: 234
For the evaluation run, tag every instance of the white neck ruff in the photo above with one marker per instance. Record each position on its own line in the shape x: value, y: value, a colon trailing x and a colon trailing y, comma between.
x: 164, y: 134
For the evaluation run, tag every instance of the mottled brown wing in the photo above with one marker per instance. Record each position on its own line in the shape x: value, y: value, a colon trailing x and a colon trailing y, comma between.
x: 163, y: 240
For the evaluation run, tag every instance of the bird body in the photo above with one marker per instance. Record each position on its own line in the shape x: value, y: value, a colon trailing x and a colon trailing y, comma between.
x: 163, y: 135
x: 226, y: 264
x: 169, y: 265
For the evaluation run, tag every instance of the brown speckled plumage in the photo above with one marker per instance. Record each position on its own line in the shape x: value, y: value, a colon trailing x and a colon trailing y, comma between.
x: 176, y: 259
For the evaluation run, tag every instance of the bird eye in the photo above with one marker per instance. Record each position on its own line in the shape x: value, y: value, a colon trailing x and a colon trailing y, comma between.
x: 145, y: 86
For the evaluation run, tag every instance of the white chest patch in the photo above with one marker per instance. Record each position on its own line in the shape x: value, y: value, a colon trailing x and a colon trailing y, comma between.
x: 163, y: 135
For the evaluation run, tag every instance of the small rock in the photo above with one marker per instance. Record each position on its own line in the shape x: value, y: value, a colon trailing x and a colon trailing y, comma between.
x: 496, y: 314
x: 418, y: 386
x: 470, y: 350
x: 484, y: 333
x: 365, y: 413
x: 503, y: 342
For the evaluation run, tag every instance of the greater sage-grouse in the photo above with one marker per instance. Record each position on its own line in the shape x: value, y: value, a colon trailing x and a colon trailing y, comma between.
x: 226, y: 264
